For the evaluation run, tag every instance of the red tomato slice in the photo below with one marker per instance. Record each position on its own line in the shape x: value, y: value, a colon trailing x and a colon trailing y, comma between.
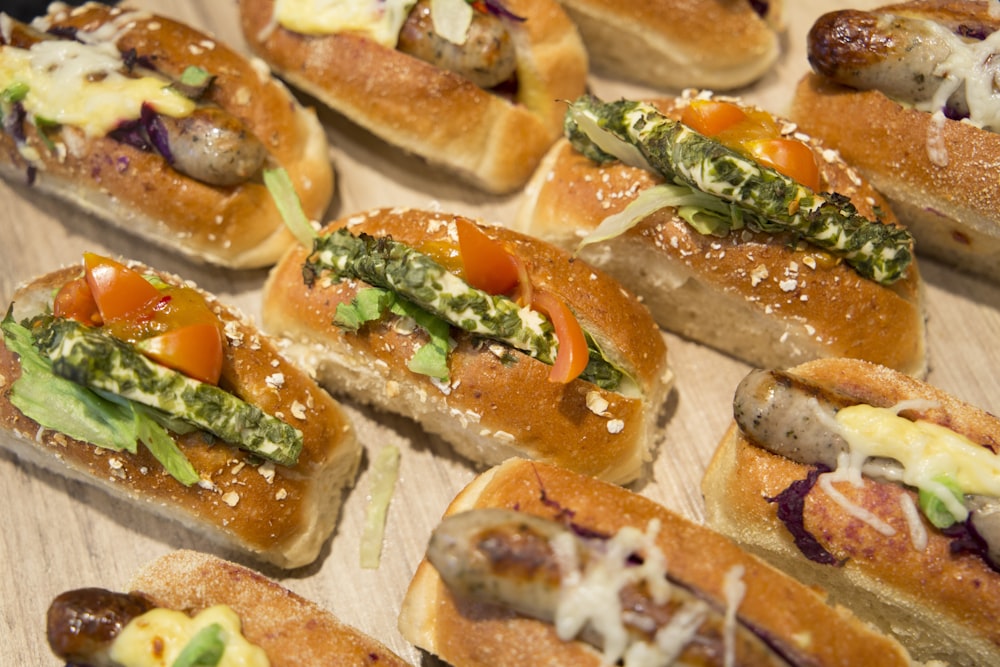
x: 195, y: 350
x: 488, y: 265
x: 117, y: 289
x: 75, y: 301
x: 573, y: 355
x: 709, y: 117
x: 789, y: 157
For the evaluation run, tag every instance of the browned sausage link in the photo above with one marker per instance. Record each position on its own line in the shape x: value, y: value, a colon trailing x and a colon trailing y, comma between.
x: 487, y: 58
x: 213, y: 146
x: 507, y: 558
x: 896, y: 55
x: 83, y: 623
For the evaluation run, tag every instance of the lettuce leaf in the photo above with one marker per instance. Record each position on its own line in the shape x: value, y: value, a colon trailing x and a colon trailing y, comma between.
x: 62, y: 405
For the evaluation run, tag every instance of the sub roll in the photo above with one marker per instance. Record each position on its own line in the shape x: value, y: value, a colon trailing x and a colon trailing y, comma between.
x: 474, y: 89
x: 498, y: 343
x: 158, y: 129
x: 906, y: 93
x: 711, y: 44
x: 736, y: 230
x: 188, y: 607
x: 136, y: 382
x: 534, y: 564
x: 876, y: 487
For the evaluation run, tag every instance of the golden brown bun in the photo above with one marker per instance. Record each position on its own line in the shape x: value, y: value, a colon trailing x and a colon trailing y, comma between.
x: 278, y: 514
x: 715, y: 44
x: 797, y: 619
x: 137, y: 191
x: 940, y: 605
x: 293, y: 631
x: 492, y: 409
x: 951, y: 210
x: 487, y: 140
x: 751, y: 295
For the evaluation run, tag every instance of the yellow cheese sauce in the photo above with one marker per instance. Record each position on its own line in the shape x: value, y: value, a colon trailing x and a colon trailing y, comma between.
x: 380, y: 20
x: 83, y: 85
x: 925, y: 450
x: 156, y: 638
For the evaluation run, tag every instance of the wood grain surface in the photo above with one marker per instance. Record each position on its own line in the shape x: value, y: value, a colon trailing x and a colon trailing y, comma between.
x: 56, y: 535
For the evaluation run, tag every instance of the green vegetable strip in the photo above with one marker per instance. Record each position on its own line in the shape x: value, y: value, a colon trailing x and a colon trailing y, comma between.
x: 386, y: 263
x: 101, y: 362
x: 416, y: 277
x: 877, y: 251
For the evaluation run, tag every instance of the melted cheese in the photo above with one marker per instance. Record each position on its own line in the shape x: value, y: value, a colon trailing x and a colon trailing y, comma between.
x: 380, y: 20
x: 924, y: 450
x: 83, y: 85
x: 156, y: 638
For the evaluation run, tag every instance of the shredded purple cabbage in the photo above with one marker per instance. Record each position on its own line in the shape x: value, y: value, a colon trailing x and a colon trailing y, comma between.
x: 966, y: 539
x: 760, y: 7
x: 13, y: 122
x: 157, y: 133
x: 496, y: 8
x: 791, y: 510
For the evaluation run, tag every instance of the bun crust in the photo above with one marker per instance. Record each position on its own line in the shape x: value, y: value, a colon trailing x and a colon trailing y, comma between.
x: 467, y: 633
x: 440, y: 116
x: 951, y: 210
x: 278, y: 514
x: 492, y: 409
x: 940, y: 605
x: 292, y: 630
x: 710, y: 44
x: 758, y: 297
x: 237, y: 226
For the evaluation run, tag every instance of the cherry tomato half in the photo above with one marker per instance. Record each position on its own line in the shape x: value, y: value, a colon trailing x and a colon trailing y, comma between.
x: 488, y: 265
x: 789, y: 157
x: 117, y: 290
x: 573, y: 355
x: 710, y: 117
x: 75, y: 301
x: 195, y: 350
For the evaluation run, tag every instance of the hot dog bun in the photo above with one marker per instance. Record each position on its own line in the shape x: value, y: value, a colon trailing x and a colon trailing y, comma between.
x: 949, y: 202
x: 940, y: 603
x: 498, y: 402
x: 290, y: 629
x: 797, y: 621
x: 138, y: 191
x: 762, y: 298
x: 276, y: 513
x: 482, y: 136
x: 710, y: 44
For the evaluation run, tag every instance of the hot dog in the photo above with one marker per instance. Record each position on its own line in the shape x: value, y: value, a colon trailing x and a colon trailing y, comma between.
x: 158, y: 129
x: 534, y: 564
x: 916, y: 81
x: 735, y: 243
x: 876, y: 487
x: 537, y: 355
x: 482, y: 104
x: 209, y: 607
x: 712, y: 44
x: 131, y: 380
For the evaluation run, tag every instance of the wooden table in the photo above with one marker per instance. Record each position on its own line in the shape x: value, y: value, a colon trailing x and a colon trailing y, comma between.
x: 56, y: 535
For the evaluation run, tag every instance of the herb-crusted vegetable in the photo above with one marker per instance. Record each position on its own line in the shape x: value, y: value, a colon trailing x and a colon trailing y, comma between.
x: 414, y: 276
x: 94, y: 359
x: 636, y: 133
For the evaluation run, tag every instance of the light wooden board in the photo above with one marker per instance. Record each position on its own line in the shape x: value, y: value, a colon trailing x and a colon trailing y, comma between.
x: 56, y: 535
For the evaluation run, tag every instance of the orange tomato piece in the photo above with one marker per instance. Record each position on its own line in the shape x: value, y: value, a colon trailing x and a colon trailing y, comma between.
x: 488, y: 266
x: 710, y: 117
x: 195, y: 350
x: 788, y: 156
x: 75, y: 301
x: 118, y: 291
x: 573, y: 355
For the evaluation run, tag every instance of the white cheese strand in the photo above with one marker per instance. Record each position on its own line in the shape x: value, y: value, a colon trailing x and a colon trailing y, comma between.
x: 734, y: 589
x: 918, y: 533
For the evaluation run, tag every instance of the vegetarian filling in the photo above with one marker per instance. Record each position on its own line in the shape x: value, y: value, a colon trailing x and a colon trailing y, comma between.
x: 125, y: 358
x: 488, y: 294
x: 741, y: 175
